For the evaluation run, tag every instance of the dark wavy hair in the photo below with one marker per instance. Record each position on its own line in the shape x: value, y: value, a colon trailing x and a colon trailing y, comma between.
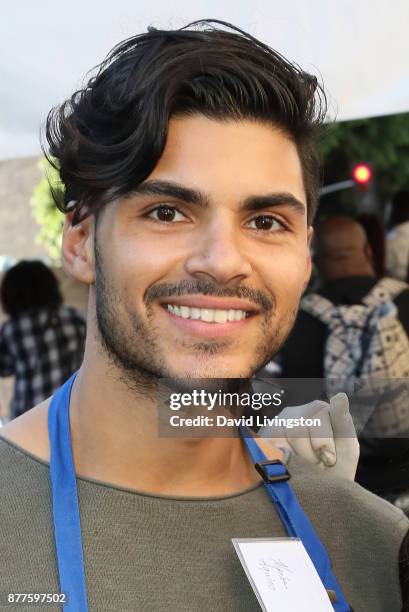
x: 108, y: 137
x: 27, y: 286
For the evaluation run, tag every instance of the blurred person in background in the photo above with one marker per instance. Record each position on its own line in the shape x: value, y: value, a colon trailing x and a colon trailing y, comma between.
x: 375, y: 233
x: 397, y: 243
x: 42, y: 342
x: 345, y: 263
x: 346, y: 267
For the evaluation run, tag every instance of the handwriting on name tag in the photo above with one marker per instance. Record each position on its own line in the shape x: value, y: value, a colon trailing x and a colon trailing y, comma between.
x: 282, y: 575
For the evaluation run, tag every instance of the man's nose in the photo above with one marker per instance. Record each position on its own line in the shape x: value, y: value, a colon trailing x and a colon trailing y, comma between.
x: 219, y: 254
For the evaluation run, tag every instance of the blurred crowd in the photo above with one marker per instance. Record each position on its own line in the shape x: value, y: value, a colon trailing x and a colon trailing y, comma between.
x: 353, y: 326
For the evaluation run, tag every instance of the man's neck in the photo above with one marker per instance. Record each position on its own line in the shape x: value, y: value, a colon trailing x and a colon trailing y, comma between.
x: 115, y: 439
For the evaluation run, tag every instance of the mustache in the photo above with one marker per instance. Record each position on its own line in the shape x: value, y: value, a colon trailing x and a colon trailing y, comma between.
x: 192, y: 287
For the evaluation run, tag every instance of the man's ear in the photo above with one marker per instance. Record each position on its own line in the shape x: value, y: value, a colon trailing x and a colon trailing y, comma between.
x: 78, y: 249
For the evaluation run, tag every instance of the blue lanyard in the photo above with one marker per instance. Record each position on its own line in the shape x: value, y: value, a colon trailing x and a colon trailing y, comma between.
x: 66, y: 515
x: 275, y: 477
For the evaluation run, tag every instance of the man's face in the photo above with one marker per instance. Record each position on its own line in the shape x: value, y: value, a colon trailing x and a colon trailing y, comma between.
x: 200, y: 272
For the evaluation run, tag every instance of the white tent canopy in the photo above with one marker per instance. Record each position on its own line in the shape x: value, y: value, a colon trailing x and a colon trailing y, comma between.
x: 359, y: 48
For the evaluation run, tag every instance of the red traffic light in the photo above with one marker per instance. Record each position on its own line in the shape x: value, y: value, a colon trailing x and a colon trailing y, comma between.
x: 362, y: 173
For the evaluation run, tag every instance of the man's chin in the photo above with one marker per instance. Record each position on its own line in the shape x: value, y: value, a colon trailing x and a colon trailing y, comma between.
x: 221, y: 368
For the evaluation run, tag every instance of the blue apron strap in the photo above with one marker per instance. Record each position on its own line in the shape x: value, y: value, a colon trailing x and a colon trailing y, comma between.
x: 275, y: 476
x: 66, y: 516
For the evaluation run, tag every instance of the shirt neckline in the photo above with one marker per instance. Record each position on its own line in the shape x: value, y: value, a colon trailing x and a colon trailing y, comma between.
x: 136, y: 492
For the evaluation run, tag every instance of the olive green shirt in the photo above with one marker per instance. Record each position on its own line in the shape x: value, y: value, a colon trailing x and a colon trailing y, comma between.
x: 154, y: 553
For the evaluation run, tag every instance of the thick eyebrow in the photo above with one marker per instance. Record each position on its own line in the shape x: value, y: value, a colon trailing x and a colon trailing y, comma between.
x: 173, y: 190
x: 193, y: 196
x: 254, y: 203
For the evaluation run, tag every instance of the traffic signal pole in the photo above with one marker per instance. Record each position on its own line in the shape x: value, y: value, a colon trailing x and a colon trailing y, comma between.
x: 337, y: 187
x: 362, y: 180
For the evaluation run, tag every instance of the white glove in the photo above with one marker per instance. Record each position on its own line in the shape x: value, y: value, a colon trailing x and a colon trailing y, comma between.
x: 332, y: 445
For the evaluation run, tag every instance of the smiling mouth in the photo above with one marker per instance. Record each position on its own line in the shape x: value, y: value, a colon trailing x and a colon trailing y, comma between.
x: 208, y: 315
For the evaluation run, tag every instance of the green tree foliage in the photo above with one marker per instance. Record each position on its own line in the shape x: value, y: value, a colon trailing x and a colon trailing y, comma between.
x: 46, y: 213
x: 381, y: 141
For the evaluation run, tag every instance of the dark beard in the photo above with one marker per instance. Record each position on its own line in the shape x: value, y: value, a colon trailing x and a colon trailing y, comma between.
x: 134, y: 350
x: 139, y: 372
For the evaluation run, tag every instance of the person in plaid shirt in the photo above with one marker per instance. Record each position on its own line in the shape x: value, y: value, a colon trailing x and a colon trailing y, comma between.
x: 42, y: 342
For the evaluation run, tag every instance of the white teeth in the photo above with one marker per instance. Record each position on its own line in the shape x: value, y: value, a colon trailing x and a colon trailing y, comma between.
x: 220, y: 316
x: 206, y: 314
x: 185, y: 312
x: 209, y: 315
x: 195, y: 313
x: 232, y: 314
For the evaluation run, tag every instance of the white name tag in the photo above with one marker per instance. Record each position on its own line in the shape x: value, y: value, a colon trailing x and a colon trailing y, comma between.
x: 282, y: 575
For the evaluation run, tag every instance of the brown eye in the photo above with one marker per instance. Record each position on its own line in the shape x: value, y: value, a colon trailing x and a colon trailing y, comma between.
x: 266, y: 223
x: 166, y: 214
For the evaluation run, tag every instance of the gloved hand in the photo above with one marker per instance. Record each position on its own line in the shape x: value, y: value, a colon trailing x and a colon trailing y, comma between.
x: 333, y: 445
